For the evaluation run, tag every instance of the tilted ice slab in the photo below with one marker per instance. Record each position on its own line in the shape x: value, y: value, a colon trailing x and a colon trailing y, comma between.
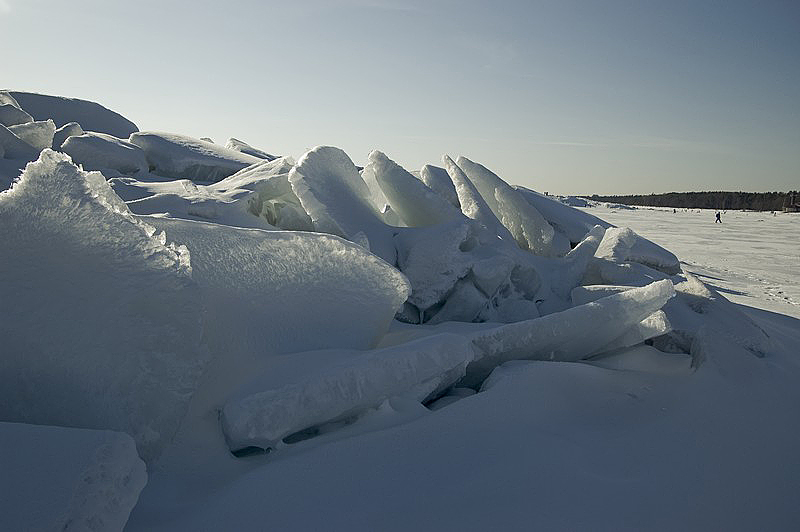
x: 529, y: 228
x: 415, y: 369
x: 37, y: 134
x: 66, y: 131
x: 439, y: 181
x: 57, y: 478
x: 11, y: 115
x: 182, y: 157
x: 115, y: 341
x: 90, y: 115
x: 473, y: 205
x: 238, y: 145
x: 410, y: 198
x: 621, y: 244
x: 270, y: 292
x: 99, y: 151
x: 572, y: 223
x: 333, y: 194
x: 569, y: 335
x: 13, y: 147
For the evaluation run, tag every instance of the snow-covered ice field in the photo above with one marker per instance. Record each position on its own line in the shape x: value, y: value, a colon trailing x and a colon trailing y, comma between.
x: 198, y: 336
x: 753, y: 258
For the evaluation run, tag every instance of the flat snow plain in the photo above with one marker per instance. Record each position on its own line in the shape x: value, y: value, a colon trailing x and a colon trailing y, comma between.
x: 752, y: 258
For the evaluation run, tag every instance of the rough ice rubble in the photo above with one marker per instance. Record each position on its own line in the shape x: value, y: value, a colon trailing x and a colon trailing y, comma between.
x: 118, y: 341
x: 416, y: 369
x: 182, y: 157
x: 99, y: 151
x: 90, y: 115
x: 57, y: 478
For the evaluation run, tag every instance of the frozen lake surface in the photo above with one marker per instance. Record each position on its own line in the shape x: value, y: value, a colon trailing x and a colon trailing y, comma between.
x: 752, y: 258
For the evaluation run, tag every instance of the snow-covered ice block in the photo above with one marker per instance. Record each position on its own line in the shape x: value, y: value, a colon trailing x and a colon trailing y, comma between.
x: 37, y: 134
x: 331, y: 191
x: 572, y: 269
x: 604, y: 271
x: 14, y: 147
x: 473, y: 205
x: 416, y: 369
x: 101, y: 320
x: 621, y: 244
x: 569, y: 335
x: 275, y: 292
x: 410, y: 198
x: 182, y: 157
x: 90, y: 115
x: 652, y: 326
x: 439, y: 181
x: 529, y: 228
x: 646, y: 359
x: 572, y: 223
x: 58, y: 478
x: 238, y: 145
x: 64, y: 132
x: 98, y: 151
x: 11, y: 115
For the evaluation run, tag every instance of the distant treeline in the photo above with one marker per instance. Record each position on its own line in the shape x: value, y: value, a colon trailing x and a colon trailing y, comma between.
x: 755, y: 201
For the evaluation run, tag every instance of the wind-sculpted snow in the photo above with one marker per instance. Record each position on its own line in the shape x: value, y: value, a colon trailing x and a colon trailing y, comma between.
x: 268, y: 289
x: 57, y: 478
x: 182, y: 157
x: 98, y: 151
x: 101, y: 320
x: 90, y: 115
x: 416, y: 370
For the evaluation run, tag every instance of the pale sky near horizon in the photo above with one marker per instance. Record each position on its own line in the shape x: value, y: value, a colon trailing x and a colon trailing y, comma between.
x: 611, y: 97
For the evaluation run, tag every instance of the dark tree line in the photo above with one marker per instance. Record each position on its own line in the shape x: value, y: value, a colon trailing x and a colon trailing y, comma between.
x: 756, y: 201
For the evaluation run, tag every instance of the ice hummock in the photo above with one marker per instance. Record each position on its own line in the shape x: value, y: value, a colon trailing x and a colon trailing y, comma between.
x: 118, y: 338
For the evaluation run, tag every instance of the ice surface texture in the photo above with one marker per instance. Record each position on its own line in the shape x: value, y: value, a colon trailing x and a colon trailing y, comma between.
x: 67, y: 479
x: 101, y: 320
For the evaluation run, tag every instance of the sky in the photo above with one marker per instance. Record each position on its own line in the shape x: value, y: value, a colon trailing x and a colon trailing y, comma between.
x: 568, y: 97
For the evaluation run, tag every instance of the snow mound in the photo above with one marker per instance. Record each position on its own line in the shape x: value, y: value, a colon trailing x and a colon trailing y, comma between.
x: 117, y: 338
x: 416, y: 370
x: 98, y: 151
x: 182, y: 157
x: 238, y: 145
x: 91, y: 116
x: 57, y: 478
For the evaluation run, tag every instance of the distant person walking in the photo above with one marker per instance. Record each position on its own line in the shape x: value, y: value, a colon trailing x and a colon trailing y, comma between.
x: 718, y: 219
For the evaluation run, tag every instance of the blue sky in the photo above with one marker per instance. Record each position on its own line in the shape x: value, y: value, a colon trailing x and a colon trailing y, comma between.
x: 560, y: 96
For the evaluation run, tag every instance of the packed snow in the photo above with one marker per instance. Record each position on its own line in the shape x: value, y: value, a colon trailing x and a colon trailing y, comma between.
x: 300, y: 342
